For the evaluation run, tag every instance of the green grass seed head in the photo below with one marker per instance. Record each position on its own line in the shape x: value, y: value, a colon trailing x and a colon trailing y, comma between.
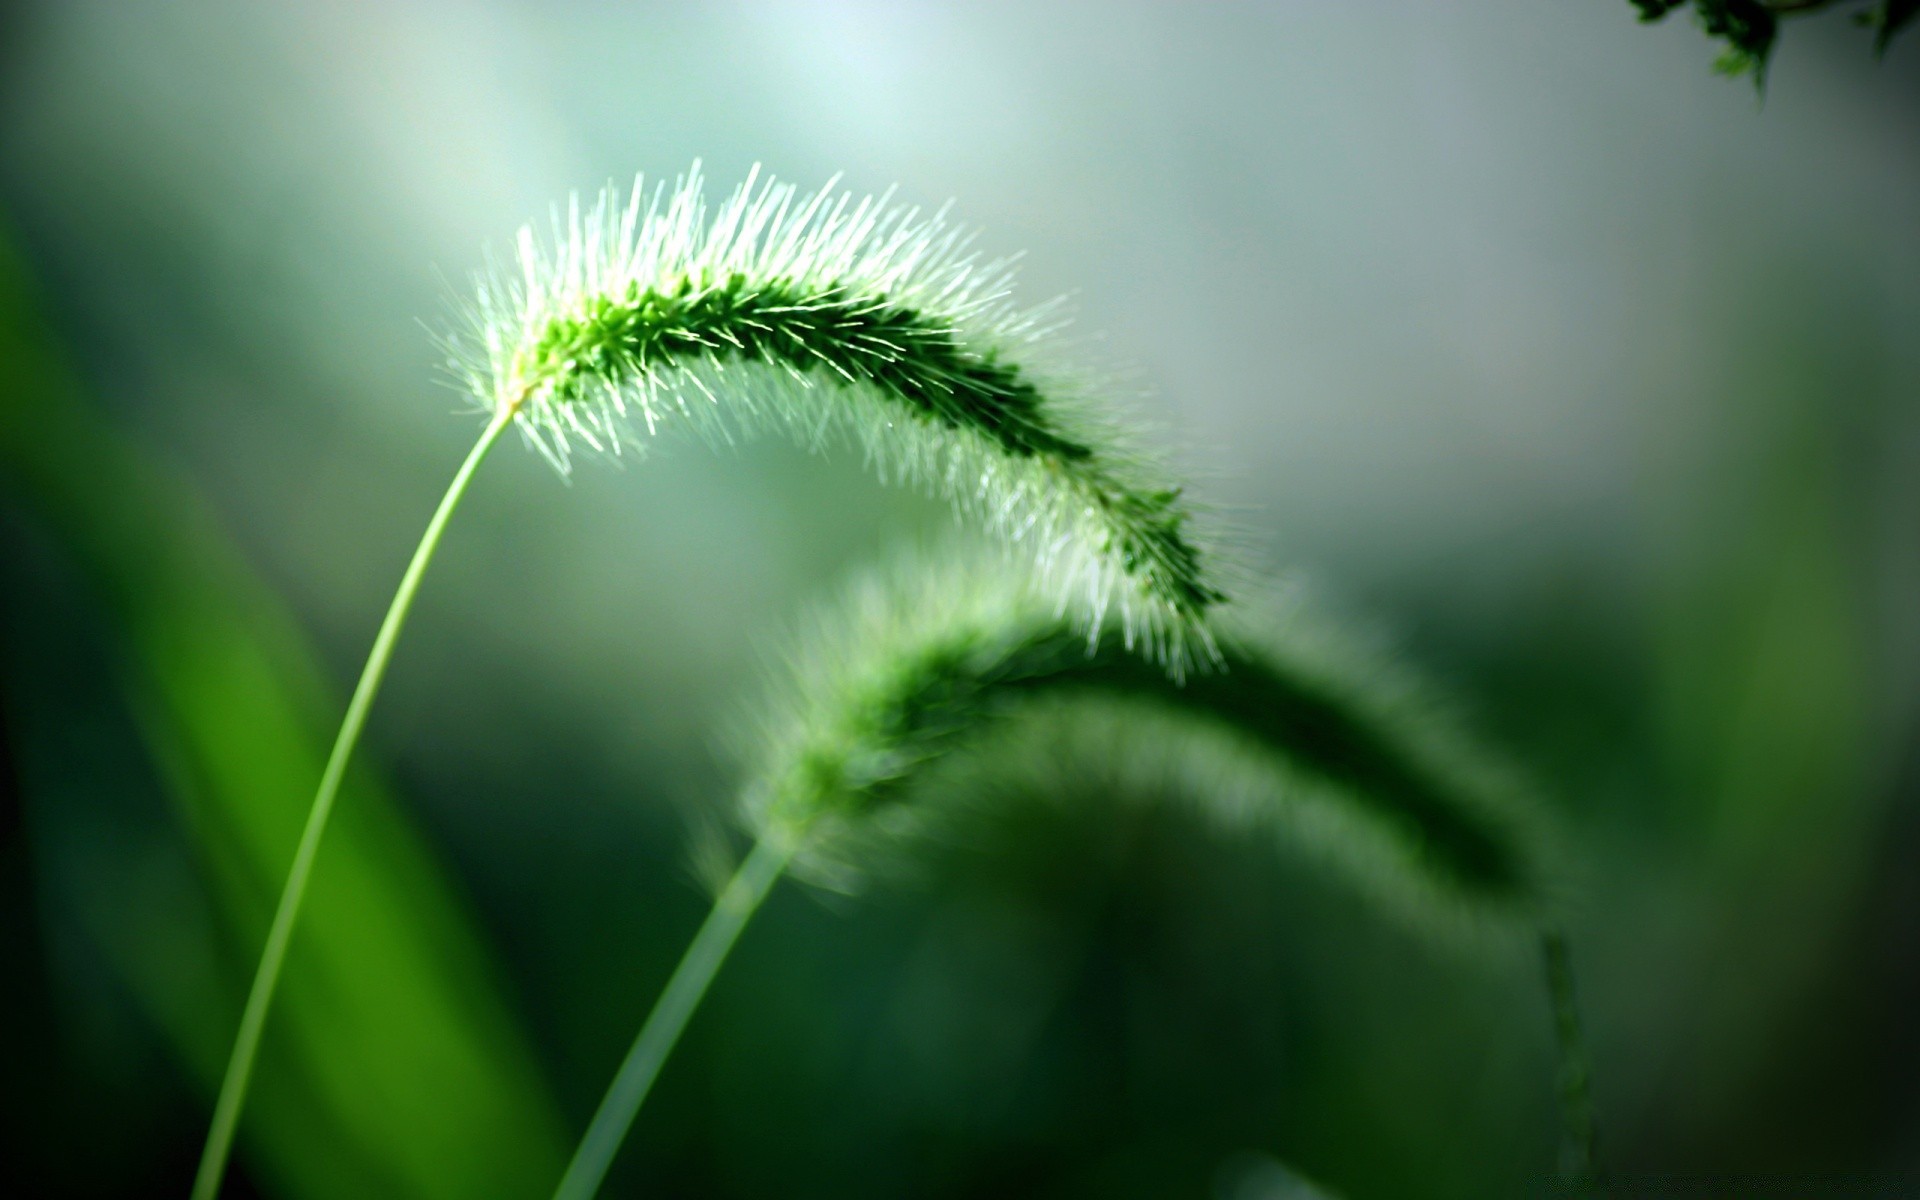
x: 829, y: 318
x: 947, y: 676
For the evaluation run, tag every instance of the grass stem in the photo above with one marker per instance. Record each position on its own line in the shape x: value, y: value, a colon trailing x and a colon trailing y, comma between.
x: 253, y: 1019
x: 731, y: 911
x: 1578, y: 1157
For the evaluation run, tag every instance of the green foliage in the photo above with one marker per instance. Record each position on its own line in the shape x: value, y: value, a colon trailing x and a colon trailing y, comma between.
x: 1751, y: 28
x: 1887, y: 19
x: 394, y: 1069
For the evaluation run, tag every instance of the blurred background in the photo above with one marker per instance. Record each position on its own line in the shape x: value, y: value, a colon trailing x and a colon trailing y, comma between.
x: 1579, y: 373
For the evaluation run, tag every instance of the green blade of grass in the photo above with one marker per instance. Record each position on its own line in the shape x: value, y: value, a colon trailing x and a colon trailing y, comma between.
x: 390, y: 1048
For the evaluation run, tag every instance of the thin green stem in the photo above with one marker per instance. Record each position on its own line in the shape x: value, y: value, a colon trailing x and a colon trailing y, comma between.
x: 1578, y: 1161
x: 730, y: 913
x: 253, y: 1019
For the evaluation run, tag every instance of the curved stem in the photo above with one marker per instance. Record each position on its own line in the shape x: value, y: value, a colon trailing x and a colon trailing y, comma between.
x: 731, y: 910
x: 1576, y: 1072
x: 253, y: 1019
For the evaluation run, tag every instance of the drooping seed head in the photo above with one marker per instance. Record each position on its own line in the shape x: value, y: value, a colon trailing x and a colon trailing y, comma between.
x: 947, y: 676
x: 828, y: 318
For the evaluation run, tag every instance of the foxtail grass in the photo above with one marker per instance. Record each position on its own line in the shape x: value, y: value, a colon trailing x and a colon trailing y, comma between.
x: 1288, y: 733
x: 823, y: 317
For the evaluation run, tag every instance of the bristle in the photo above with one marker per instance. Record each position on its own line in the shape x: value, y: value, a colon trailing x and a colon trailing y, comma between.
x: 824, y: 317
x: 951, y: 659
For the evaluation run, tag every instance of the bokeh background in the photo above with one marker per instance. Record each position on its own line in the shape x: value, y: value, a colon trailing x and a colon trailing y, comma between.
x: 1577, y: 373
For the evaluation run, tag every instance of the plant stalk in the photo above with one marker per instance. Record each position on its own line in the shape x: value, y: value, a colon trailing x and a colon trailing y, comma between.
x: 731, y: 911
x: 1578, y: 1156
x: 253, y: 1019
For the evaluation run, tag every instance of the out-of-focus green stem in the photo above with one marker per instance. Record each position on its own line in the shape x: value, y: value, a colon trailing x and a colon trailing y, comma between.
x: 1578, y: 1157
x: 730, y: 913
x: 253, y: 1019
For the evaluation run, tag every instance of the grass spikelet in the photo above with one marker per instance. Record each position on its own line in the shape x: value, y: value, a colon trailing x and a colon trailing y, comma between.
x: 962, y: 674
x: 927, y: 663
x: 824, y: 317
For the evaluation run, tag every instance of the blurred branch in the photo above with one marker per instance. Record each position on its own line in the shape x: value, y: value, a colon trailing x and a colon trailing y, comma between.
x: 1751, y: 28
